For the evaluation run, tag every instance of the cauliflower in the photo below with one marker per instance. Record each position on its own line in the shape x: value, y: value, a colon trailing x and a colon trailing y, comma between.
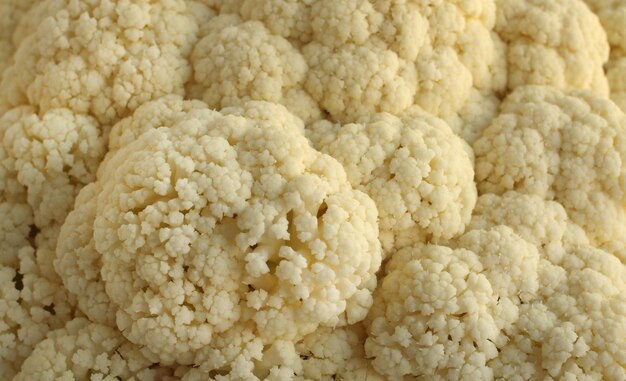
x: 101, y: 58
x: 219, y: 234
x: 563, y: 147
x: 30, y: 305
x: 493, y: 305
x: 326, y: 354
x: 83, y: 350
x: 439, y: 311
x: 238, y: 61
x: 575, y: 328
x: 330, y: 354
x: 415, y: 169
x: 304, y: 190
x: 612, y: 14
x: 45, y: 160
x: 566, y: 46
x: 351, y: 59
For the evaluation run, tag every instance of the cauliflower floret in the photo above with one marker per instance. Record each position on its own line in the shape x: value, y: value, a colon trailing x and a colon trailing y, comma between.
x: 49, y: 158
x: 287, y: 18
x: 238, y: 61
x: 44, y: 161
x: 566, y: 148
x: 352, y: 58
x: 415, y: 169
x: 165, y: 111
x: 576, y: 328
x: 85, y: 351
x: 30, y: 305
x: 439, y: 311
x: 612, y: 14
x: 78, y: 263
x: 102, y: 58
x: 559, y: 43
x: 221, y: 233
x: 324, y: 355
x: 336, y: 354
x: 354, y: 80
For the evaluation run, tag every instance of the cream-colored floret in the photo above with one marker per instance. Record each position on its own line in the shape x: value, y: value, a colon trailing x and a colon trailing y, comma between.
x: 415, y: 169
x: 102, y: 58
x: 85, y: 351
x: 559, y: 43
x: 564, y: 147
x: 225, y: 231
x: 439, y: 311
x: 238, y: 61
x: 31, y: 304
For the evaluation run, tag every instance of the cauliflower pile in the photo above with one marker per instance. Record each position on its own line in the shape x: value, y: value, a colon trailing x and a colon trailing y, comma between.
x: 359, y: 190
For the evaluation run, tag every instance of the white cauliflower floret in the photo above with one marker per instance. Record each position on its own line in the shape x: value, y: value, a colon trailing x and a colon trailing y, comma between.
x: 336, y: 354
x: 44, y: 161
x: 568, y: 148
x: 612, y: 14
x: 238, y: 61
x: 221, y: 233
x: 353, y: 58
x: 48, y: 158
x: 30, y: 305
x: 439, y: 311
x: 165, y: 111
x: 415, y: 169
x: 354, y: 80
x: 559, y: 43
x: 78, y: 263
x: 287, y: 18
x: 576, y: 328
x: 85, y: 351
x: 324, y: 355
x: 102, y: 58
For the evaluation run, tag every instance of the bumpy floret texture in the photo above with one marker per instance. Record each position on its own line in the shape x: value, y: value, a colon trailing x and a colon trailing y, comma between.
x: 558, y: 43
x: 220, y: 234
x: 83, y: 350
x: 439, y: 310
x: 303, y: 190
x: 103, y: 58
x: 415, y: 169
x: 612, y: 14
x: 45, y: 160
x: 352, y: 58
x: 564, y: 147
x: 239, y: 60
x: 30, y: 306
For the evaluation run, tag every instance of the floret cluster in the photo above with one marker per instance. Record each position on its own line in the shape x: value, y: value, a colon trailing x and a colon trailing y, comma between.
x: 358, y: 190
